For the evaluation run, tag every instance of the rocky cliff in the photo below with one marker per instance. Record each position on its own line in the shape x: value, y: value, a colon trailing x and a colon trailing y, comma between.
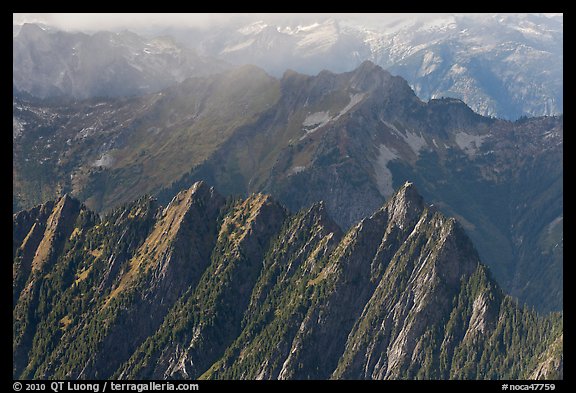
x: 241, y: 289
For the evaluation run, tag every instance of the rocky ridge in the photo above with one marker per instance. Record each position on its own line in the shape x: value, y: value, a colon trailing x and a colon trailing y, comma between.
x: 240, y: 289
x: 348, y: 139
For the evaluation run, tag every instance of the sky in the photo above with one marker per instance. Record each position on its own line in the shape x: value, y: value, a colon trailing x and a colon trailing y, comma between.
x: 115, y: 21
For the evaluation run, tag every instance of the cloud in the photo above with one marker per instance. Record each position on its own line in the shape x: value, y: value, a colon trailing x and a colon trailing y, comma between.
x: 150, y: 22
x: 115, y: 21
x: 138, y: 21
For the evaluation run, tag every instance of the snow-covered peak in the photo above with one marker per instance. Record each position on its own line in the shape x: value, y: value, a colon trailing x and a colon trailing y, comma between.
x: 317, y: 37
x: 302, y: 29
x: 441, y: 23
x: 253, y: 28
x: 291, y: 30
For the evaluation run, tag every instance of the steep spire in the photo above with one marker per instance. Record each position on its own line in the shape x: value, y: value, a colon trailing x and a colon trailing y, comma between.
x: 405, y: 205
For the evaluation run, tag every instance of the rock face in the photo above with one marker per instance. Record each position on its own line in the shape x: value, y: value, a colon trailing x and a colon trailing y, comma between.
x: 139, y: 256
x: 207, y: 321
x: 44, y: 232
x: 240, y: 289
x: 551, y: 362
x: 361, y: 134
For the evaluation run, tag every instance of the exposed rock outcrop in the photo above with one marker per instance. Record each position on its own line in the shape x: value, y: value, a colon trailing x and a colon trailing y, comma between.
x: 239, y: 289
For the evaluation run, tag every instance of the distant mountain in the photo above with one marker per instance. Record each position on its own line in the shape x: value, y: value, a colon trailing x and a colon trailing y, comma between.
x: 208, y: 288
x: 307, y: 48
x: 502, y: 65
x: 51, y: 63
x: 348, y: 139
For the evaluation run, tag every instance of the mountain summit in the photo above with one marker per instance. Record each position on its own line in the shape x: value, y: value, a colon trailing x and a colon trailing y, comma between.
x: 239, y: 289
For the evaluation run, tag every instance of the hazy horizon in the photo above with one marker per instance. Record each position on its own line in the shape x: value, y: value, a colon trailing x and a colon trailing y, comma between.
x: 153, y: 21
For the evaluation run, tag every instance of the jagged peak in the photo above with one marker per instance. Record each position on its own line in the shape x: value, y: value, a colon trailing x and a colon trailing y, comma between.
x: 66, y: 199
x: 368, y: 65
x: 290, y: 73
x: 318, y: 214
x: 317, y: 208
x: 64, y: 206
x: 257, y: 211
x: 258, y: 202
x: 407, y: 190
x: 370, y: 77
x: 49, y: 212
x: 199, y: 191
x: 59, y: 225
x: 200, y: 186
x: 291, y: 77
x: 35, y: 210
x: 455, y: 256
x: 414, y: 286
x: 405, y: 205
x: 189, y: 210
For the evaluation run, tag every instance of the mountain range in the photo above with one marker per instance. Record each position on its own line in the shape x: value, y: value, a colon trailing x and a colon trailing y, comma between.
x: 348, y: 139
x: 501, y: 65
x: 48, y: 62
x: 239, y: 288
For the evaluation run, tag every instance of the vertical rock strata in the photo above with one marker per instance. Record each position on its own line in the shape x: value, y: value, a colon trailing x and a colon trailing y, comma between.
x: 240, y: 289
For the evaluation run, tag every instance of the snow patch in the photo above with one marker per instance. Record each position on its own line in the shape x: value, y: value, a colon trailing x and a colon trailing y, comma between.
x: 239, y: 46
x: 457, y: 69
x: 316, y: 38
x: 105, y: 161
x: 320, y: 119
x: 441, y: 23
x: 253, y: 28
x: 469, y: 143
x: 416, y: 142
x: 555, y: 222
x: 289, y: 30
x: 354, y: 99
x: 430, y: 63
x: 383, y: 174
x: 317, y: 118
x: 551, y: 134
x: 296, y: 169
